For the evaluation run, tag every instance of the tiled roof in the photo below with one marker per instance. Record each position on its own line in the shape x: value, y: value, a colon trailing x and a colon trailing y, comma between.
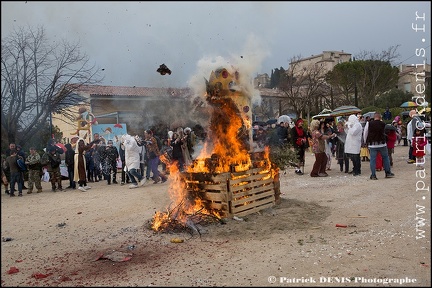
x: 100, y: 90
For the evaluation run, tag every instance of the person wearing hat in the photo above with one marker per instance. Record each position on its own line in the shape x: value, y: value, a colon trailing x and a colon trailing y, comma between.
x: 300, y: 143
x: 51, y: 159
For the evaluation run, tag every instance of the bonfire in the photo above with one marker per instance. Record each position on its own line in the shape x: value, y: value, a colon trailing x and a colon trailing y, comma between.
x: 227, y: 169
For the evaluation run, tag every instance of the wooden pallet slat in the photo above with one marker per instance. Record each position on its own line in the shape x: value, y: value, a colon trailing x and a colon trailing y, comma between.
x: 252, y: 177
x: 240, y: 201
x: 253, y: 210
x: 222, y: 197
x: 236, y: 193
x: 204, y: 187
x: 252, y: 185
x: 251, y: 192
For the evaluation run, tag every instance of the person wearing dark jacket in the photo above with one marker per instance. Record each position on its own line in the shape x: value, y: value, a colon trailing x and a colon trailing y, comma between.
x: 343, y: 159
x: 124, y: 176
x: 69, y: 161
x: 283, y: 133
x: 15, y: 173
x: 177, y: 154
x: 374, y: 133
x: 21, y: 153
x: 109, y: 156
x: 51, y: 146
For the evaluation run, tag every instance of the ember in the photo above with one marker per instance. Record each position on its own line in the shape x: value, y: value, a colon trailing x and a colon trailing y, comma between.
x: 227, y: 178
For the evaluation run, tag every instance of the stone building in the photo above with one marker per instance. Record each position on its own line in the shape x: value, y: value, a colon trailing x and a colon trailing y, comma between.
x: 412, y: 75
x: 139, y: 107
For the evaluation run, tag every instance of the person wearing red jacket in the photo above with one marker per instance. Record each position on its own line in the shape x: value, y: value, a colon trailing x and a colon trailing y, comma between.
x: 391, y: 141
x: 300, y: 142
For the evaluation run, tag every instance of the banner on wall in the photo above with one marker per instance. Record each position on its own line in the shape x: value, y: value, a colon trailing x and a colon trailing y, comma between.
x: 110, y: 132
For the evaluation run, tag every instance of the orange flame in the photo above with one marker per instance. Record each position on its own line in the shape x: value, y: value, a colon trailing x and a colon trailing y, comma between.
x: 227, y: 147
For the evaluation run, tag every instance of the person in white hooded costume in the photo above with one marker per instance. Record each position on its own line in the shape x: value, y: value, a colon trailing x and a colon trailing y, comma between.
x: 354, y: 131
x: 132, y: 160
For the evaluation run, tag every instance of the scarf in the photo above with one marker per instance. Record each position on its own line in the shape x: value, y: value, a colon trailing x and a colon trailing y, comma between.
x: 299, y: 132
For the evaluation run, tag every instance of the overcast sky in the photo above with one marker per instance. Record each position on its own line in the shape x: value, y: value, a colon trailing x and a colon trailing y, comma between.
x: 129, y: 40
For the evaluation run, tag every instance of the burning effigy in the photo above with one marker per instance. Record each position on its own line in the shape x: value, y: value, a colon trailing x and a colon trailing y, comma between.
x: 227, y: 178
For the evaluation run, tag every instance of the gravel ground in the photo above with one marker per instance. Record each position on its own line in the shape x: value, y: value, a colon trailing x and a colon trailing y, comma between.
x: 76, y: 238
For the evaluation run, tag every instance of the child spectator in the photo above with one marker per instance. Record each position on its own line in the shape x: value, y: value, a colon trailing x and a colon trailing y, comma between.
x: 391, y: 142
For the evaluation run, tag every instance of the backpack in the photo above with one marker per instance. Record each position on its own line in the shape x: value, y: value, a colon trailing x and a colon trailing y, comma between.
x: 21, y: 165
x: 55, y: 162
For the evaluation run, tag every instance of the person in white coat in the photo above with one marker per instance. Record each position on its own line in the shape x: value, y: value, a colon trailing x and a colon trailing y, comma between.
x: 354, y: 131
x: 411, y: 126
x: 132, y: 161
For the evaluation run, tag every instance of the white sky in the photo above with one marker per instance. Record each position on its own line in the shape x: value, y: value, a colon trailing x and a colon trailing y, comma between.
x: 129, y: 40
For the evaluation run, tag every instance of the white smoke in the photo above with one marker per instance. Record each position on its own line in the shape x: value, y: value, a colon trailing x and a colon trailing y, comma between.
x: 248, y: 63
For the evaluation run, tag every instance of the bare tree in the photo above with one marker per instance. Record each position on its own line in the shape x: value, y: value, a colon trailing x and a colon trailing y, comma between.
x: 390, y: 55
x: 35, y: 75
x: 305, y: 87
x: 268, y: 109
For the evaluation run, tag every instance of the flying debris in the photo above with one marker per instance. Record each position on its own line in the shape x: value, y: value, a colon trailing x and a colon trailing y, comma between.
x: 163, y: 69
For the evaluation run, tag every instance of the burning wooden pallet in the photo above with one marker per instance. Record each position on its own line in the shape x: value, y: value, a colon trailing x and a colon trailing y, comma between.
x: 234, y: 193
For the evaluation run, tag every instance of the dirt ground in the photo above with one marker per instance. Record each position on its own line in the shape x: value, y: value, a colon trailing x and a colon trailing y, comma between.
x: 70, y: 238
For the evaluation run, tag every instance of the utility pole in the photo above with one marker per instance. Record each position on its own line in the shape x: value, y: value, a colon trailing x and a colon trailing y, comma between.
x: 50, y: 124
x: 331, y: 97
x: 355, y: 87
x: 355, y: 93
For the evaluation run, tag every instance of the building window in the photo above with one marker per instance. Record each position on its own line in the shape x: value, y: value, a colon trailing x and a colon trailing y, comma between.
x: 407, y: 87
